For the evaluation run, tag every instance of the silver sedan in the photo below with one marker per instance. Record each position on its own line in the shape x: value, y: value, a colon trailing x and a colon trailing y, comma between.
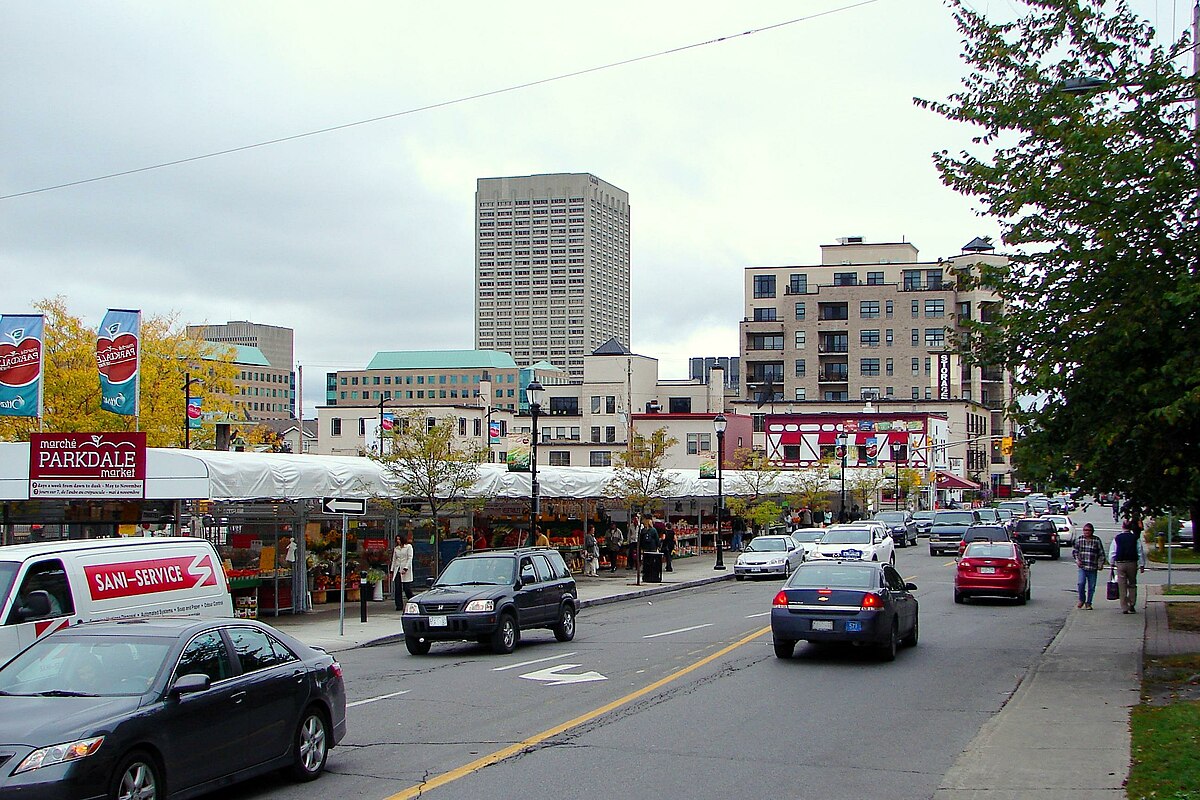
x: 769, y: 555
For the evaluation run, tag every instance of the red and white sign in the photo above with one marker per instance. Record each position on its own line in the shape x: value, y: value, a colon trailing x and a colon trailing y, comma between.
x: 151, y: 576
x: 98, y: 465
x: 117, y: 359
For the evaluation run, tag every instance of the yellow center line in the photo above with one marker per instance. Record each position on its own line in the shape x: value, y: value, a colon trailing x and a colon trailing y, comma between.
x: 498, y: 756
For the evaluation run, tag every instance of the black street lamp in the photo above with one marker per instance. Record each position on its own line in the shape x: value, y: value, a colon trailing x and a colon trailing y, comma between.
x: 719, y: 423
x: 534, y: 393
x: 842, y: 516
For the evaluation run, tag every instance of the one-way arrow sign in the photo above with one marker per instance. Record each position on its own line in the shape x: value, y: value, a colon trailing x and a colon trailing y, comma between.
x: 553, y: 675
x: 344, y: 505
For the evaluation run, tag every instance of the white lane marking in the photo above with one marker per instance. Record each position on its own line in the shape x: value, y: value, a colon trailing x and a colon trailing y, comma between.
x: 553, y: 676
x: 373, y: 699
x: 752, y: 616
x: 535, y: 661
x: 680, y: 630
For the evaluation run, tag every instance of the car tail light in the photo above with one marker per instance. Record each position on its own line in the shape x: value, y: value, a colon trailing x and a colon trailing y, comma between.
x: 780, y: 599
x: 967, y: 563
x: 872, y: 602
x: 336, y: 669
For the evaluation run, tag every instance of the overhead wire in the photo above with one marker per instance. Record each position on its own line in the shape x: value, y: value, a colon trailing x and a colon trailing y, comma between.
x: 440, y: 104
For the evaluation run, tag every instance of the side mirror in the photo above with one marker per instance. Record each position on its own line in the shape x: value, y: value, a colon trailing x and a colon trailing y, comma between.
x: 910, y: 587
x: 190, y: 684
x: 37, y: 605
x: 429, y: 582
x: 518, y: 585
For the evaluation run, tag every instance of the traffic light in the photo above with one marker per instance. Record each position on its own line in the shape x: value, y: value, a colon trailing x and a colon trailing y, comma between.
x: 1006, y: 445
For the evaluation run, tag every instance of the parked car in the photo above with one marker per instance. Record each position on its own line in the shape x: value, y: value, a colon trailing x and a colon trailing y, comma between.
x: 1037, y: 535
x: 1065, y: 527
x: 923, y: 519
x: 992, y: 569
x: 808, y: 539
x: 492, y: 597
x: 845, y: 601
x: 948, y: 528
x: 142, y: 707
x: 767, y: 556
x: 983, y: 533
x: 900, y: 525
x: 856, y: 541
x: 1040, y: 505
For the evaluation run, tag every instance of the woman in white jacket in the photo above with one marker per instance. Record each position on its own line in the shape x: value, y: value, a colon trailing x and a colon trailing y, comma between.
x: 402, y: 571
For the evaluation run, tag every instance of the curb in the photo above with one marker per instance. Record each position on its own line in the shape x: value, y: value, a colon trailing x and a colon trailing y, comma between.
x: 599, y: 601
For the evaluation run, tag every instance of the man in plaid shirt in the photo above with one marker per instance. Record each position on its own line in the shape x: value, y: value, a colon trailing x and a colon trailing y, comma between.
x: 1090, y: 557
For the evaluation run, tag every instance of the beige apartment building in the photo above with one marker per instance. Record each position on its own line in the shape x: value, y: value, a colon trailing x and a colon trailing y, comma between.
x: 265, y: 384
x: 873, y: 322
x: 551, y: 267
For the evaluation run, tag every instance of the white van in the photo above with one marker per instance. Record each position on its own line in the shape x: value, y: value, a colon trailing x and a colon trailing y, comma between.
x: 51, y: 585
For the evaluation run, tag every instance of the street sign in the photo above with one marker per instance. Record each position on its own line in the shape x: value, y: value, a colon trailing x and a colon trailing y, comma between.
x: 344, y: 505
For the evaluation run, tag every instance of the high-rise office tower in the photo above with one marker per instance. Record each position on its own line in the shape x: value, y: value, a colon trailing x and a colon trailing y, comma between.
x: 551, y: 267
x: 265, y: 384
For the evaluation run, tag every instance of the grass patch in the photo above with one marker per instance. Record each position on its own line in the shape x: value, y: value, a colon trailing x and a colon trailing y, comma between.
x: 1179, y: 555
x: 1182, y: 588
x: 1166, y: 752
x: 1183, y: 616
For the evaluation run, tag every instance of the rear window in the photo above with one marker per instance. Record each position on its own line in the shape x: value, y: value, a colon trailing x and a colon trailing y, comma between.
x: 891, y: 516
x: 834, y: 576
x: 989, y: 550
x: 981, y: 532
x: 1035, y: 525
x: 953, y: 518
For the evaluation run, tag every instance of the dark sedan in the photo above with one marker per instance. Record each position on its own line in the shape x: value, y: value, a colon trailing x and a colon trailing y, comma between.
x: 164, y: 708
x: 862, y: 603
x: 901, y: 525
x: 1036, y: 535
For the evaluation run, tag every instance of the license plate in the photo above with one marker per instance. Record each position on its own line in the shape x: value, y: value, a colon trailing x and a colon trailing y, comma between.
x: 853, y: 627
x: 758, y: 569
x: 438, y: 621
x: 852, y: 554
x: 987, y: 570
x: 822, y: 624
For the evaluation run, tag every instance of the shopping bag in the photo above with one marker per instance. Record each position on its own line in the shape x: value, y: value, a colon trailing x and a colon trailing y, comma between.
x: 1113, y: 592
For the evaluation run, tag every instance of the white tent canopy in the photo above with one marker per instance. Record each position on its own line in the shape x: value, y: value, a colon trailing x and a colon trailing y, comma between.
x: 217, y: 475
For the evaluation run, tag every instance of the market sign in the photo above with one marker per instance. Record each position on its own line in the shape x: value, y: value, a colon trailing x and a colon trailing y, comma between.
x: 87, y: 465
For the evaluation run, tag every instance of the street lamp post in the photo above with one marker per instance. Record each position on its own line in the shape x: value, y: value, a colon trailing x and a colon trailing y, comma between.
x: 534, y: 392
x: 719, y: 422
x: 896, y: 491
x: 842, y: 500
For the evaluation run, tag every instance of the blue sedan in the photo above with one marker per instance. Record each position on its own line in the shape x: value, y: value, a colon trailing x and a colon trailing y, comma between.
x: 862, y: 603
x: 151, y: 709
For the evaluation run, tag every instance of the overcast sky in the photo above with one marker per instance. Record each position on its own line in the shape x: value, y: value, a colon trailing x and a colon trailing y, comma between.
x: 751, y: 151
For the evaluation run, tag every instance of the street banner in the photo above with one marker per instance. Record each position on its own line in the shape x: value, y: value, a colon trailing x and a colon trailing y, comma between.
x: 118, y: 354
x: 87, y: 465
x: 195, y: 413
x: 389, y: 422
x: 708, y: 465
x: 21, y: 365
x: 519, y: 450
x: 494, y: 432
x: 872, y: 451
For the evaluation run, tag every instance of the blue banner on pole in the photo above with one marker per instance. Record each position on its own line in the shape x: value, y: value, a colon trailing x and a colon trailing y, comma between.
x: 118, y: 354
x: 21, y: 367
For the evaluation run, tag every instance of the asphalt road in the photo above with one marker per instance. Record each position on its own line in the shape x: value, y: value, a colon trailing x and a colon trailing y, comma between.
x: 684, y: 696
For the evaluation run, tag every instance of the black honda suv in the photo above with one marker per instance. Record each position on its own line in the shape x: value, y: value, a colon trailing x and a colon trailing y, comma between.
x: 490, y: 597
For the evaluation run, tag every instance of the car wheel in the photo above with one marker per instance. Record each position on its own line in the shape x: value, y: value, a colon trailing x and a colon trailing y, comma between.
x: 892, y: 558
x: 1022, y: 599
x: 564, y: 631
x: 504, y: 638
x: 784, y: 648
x: 739, y: 577
x: 310, y: 745
x: 888, y: 651
x: 932, y: 552
x: 137, y: 778
x: 1054, y: 554
x: 911, y: 639
x: 417, y: 646
x: 959, y: 597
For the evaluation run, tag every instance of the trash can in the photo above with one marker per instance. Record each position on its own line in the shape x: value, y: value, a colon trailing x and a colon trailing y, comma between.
x: 652, y: 563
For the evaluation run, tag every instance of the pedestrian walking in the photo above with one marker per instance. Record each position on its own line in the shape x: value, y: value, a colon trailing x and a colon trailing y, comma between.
x: 591, y: 555
x: 1128, y: 557
x: 402, y: 571
x: 668, y: 546
x: 612, y: 546
x: 541, y: 540
x: 1090, y: 558
x: 1116, y: 503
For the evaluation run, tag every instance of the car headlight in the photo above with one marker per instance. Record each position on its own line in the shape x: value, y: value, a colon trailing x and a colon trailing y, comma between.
x: 775, y: 562
x: 481, y: 605
x: 59, y: 754
x: 411, y: 608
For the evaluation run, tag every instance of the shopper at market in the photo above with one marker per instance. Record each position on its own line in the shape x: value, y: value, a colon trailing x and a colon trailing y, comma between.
x: 402, y: 571
x: 668, y: 546
x: 541, y: 540
x: 612, y: 546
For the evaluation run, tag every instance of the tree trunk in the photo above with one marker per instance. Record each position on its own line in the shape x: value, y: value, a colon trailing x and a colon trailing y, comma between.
x: 1194, y: 512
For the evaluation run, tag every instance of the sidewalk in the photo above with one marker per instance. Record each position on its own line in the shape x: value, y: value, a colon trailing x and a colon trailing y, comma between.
x: 321, y: 627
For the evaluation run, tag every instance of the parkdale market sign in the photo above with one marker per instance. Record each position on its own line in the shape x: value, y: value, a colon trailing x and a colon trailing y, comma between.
x: 87, y: 465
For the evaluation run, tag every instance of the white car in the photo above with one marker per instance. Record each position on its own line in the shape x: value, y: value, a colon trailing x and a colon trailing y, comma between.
x: 769, y: 555
x: 857, y: 541
x: 1065, y: 527
x: 808, y: 539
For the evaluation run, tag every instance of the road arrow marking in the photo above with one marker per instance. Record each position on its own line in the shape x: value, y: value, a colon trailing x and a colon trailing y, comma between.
x: 553, y: 675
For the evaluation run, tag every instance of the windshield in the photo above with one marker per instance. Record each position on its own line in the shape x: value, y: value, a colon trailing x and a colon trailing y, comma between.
x: 953, y: 518
x: 922, y: 515
x: 765, y: 544
x: 1004, y: 513
x: 808, y: 535
x: 101, y: 666
x: 847, y: 537
x: 989, y: 550
x: 496, y: 571
x: 833, y: 575
x: 8, y: 573
x: 891, y: 516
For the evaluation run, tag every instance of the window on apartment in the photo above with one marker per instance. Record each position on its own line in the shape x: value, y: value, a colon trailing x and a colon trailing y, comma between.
x: 870, y: 367
x: 874, y: 279
x: 799, y: 367
x: 610, y: 434
x: 869, y: 338
x: 916, y: 366
x: 799, y: 310
x: 610, y: 404
x: 764, y: 285
x: 335, y: 427
x: 916, y: 393
x: 797, y: 284
x: 868, y: 309
x: 928, y: 365
x: 916, y: 336
x: 800, y: 340
x: 935, y: 308
x: 933, y: 278
x: 764, y: 341
x: 800, y: 392
x: 698, y: 443
x: 679, y: 405
x: 964, y: 310
x: 600, y: 458
x: 845, y: 279
x: 595, y: 433
x: 560, y: 458
x: 836, y: 396
x: 887, y: 337
x: 889, y: 366
x: 935, y: 337
x: 912, y: 279
x: 764, y: 315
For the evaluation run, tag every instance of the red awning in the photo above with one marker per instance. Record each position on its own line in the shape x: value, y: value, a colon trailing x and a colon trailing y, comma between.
x: 947, y: 481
